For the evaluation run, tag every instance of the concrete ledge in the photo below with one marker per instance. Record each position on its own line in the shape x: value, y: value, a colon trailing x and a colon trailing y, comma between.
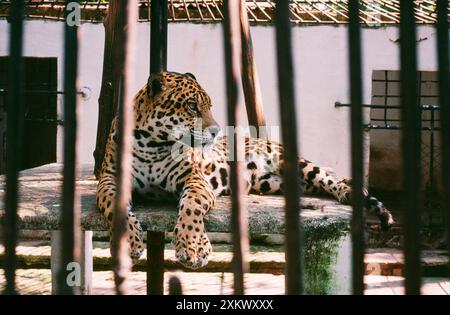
x: 324, y: 220
x: 40, y: 204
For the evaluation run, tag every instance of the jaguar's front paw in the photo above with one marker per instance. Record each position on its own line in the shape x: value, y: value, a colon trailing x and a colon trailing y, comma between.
x: 136, y: 242
x: 192, y: 246
x: 135, y: 237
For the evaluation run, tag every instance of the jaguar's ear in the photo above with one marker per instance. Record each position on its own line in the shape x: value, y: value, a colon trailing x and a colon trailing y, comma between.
x: 191, y: 75
x: 156, y: 84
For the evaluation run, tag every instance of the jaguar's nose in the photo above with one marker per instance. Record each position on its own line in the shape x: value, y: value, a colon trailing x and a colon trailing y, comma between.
x: 214, y: 130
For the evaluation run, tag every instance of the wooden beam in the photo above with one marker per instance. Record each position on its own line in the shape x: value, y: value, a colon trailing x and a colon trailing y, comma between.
x: 107, y: 108
x: 249, y: 78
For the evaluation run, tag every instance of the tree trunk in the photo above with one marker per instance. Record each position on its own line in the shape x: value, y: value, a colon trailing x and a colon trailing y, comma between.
x: 249, y: 77
x: 107, y: 107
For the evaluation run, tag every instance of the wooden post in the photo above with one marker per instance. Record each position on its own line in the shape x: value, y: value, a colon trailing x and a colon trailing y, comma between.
x: 249, y: 77
x: 107, y: 108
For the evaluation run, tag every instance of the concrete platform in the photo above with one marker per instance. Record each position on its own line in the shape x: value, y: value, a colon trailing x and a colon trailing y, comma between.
x: 40, y: 207
x: 324, y: 220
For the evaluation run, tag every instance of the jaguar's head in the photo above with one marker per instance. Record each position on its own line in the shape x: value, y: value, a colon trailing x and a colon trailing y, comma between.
x: 177, y: 108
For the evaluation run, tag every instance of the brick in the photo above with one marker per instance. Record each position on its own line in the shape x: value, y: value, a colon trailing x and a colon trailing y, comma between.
x: 378, y: 75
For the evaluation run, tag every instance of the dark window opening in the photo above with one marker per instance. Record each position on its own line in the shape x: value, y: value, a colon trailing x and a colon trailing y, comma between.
x: 40, y: 126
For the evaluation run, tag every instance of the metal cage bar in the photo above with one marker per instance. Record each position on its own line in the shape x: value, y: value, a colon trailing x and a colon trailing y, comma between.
x: 287, y: 103
x: 120, y: 254
x: 444, y: 95
x: 14, y: 142
x: 357, y: 224
x: 411, y: 147
x: 158, y: 63
x: 70, y: 216
x: 232, y: 47
x: 158, y: 36
x: 155, y: 262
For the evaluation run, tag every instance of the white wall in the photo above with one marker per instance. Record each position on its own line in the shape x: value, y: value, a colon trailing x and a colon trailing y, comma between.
x: 321, y: 70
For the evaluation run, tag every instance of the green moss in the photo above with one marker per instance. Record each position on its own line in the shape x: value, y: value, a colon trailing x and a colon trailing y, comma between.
x: 320, y: 255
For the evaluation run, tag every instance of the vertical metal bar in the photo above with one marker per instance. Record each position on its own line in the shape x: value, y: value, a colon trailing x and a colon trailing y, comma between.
x: 155, y: 262
x: 70, y: 216
x: 14, y: 152
x: 250, y: 80
x: 175, y: 287
x: 357, y: 225
x: 411, y: 147
x: 126, y: 20
x: 232, y: 45
x: 158, y: 36
x: 288, y: 116
x: 444, y: 98
x: 158, y: 63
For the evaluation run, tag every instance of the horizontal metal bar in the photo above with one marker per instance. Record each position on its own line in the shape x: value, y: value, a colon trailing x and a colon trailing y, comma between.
x: 47, y: 120
x: 390, y: 120
x: 45, y: 92
x: 396, y: 127
x: 421, y: 106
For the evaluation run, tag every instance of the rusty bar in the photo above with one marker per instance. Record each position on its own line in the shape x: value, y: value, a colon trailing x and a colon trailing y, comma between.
x: 126, y: 19
x: 289, y: 129
x: 444, y: 98
x: 14, y: 142
x: 411, y: 147
x: 155, y: 263
x: 324, y: 12
x: 158, y: 36
x: 357, y: 225
x: 70, y: 216
x: 199, y: 9
x: 249, y: 77
x: 232, y: 45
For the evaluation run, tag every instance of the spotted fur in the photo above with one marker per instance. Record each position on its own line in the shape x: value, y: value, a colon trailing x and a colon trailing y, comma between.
x: 177, y: 154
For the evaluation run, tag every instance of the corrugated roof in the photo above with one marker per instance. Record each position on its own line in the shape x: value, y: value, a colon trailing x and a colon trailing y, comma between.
x: 373, y: 12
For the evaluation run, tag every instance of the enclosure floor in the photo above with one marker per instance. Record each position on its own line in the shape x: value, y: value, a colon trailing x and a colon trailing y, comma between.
x: 38, y: 282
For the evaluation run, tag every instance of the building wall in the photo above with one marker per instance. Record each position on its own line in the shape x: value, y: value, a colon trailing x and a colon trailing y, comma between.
x: 321, y: 74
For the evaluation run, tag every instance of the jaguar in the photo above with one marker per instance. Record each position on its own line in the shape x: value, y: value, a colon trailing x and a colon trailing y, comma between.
x: 179, y: 154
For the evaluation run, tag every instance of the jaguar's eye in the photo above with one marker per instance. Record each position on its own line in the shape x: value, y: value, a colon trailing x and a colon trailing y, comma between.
x: 193, y: 106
